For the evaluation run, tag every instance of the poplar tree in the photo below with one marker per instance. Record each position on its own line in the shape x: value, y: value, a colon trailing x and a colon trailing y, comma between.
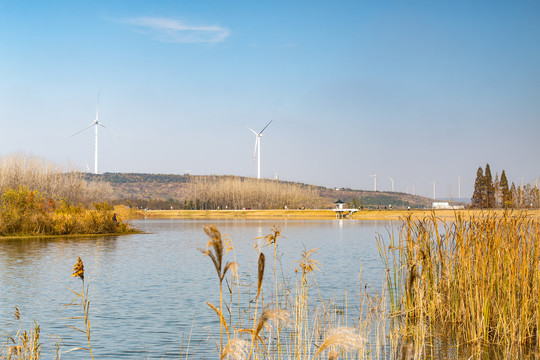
x: 497, y: 191
x: 489, y: 188
x: 514, y: 195
x: 478, y: 198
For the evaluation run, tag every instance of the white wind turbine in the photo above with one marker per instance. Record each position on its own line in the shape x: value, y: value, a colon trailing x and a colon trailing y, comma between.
x: 434, y: 183
x: 374, y: 182
x: 258, y: 148
x: 97, y: 124
x: 392, y: 181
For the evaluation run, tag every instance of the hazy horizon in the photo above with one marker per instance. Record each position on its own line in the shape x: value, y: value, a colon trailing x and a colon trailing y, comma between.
x: 418, y: 91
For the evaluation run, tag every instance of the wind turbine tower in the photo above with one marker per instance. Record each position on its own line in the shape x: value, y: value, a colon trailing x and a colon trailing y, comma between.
x: 459, y: 187
x: 374, y: 182
x: 258, y: 147
x: 392, y: 181
x: 96, y: 124
x: 434, y: 183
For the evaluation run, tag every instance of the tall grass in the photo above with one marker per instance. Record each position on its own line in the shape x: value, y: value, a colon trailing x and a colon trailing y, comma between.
x: 476, y: 281
x: 24, y: 345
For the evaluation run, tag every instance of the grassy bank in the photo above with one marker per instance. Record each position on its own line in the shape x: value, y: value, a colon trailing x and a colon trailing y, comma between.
x: 318, y: 214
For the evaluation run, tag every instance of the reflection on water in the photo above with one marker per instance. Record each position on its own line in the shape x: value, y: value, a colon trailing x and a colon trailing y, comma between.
x: 147, y: 291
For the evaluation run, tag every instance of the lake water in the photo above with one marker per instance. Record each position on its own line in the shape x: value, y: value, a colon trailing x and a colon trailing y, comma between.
x: 148, y: 291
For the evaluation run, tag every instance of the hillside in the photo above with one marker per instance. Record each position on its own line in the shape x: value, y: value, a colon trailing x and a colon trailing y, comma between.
x: 166, y: 191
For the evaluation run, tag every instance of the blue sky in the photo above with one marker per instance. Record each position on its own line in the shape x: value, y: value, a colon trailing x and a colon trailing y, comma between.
x: 415, y: 90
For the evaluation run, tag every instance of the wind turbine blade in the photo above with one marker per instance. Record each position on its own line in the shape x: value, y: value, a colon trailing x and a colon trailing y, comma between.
x: 97, y: 106
x: 110, y: 130
x: 265, y: 127
x: 253, y: 131
x: 80, y: 131
x: 255, y: 151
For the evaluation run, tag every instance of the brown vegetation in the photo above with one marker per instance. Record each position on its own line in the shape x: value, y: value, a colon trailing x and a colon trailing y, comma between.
x: 26, y: 212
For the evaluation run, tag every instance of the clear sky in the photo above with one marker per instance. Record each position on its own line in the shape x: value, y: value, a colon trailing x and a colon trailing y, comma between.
x: 420, y: 91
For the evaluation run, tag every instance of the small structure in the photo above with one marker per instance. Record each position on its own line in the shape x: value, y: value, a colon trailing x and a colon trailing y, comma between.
x: 446, y: 205
x: 342, y: 213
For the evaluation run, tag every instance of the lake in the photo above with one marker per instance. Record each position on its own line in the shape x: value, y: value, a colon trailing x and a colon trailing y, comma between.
x: 148, y: 292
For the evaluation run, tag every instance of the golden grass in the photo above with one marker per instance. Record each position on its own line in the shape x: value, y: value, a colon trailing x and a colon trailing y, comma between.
x: 314, y: 214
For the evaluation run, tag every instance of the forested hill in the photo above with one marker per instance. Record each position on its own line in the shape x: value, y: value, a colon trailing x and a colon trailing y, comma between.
x: 166, y: 191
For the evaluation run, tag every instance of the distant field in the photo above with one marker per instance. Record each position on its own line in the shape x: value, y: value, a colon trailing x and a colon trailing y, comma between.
x: 316, y: 214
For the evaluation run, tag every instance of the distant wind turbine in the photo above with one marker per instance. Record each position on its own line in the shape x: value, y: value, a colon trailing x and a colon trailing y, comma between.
x: 434, y: 182
x: 459, y: 187
x: 257, y: 150
x: 392, y: 181
x: 97, y: 124
x: 374, y: 182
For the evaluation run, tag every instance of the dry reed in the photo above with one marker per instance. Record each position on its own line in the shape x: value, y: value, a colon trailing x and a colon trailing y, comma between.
x: 78, y: 272
x: 477, y: 281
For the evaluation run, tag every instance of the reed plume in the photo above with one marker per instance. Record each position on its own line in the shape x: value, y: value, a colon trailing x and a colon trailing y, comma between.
x: 343, y: 337
x: 260, y: 273
x: 216, y: 249
x: 236, y: 349
x: 78, y: 272
x: 268, y: 317
x: 78, y: 269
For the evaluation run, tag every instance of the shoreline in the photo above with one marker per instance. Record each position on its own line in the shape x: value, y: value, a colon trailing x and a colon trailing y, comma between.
x: 325, y: 214
x: 26, y: 236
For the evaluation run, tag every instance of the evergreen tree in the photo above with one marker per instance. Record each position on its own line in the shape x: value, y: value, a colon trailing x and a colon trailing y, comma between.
x: 506, y: 197
x: 489, y: 190
x: 478, y: 198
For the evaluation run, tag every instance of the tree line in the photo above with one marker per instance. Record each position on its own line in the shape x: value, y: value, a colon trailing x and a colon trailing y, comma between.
x: 237, y: 193
x: 491, y: 193
x: 50, y: 180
